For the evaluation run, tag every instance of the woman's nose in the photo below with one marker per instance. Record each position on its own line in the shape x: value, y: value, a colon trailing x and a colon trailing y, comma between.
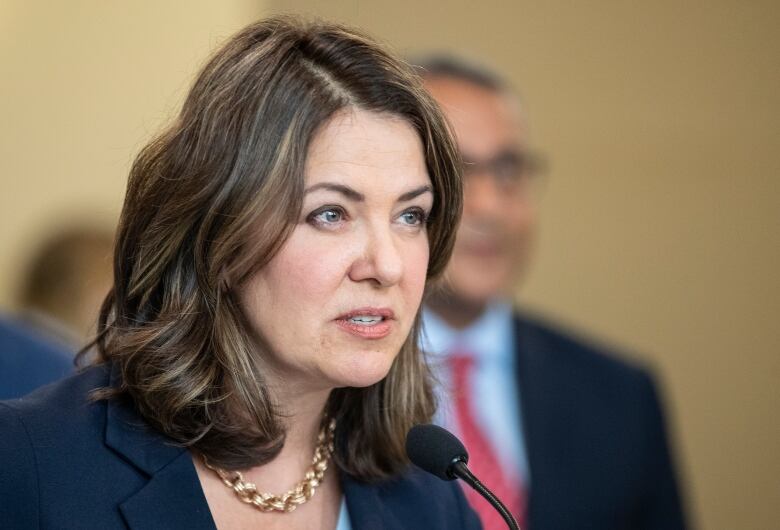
x: 379, y: 259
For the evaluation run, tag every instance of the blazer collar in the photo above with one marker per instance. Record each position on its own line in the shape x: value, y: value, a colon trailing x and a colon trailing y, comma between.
x: 173, y: 498
x: 130, y: 436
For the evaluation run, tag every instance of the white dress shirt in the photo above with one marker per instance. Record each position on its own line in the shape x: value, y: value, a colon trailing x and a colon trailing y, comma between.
x: 493, y: 386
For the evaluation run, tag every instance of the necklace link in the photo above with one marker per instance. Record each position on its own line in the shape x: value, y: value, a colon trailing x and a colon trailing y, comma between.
x: 302, y: 492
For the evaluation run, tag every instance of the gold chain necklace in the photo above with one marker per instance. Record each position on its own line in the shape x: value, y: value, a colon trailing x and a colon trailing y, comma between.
x: 302, y: 492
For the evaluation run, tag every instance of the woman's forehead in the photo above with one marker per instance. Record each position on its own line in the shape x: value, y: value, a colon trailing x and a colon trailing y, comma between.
x: 356, y: 145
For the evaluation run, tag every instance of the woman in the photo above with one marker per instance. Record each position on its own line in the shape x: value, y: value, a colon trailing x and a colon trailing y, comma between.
x: 261, y: 332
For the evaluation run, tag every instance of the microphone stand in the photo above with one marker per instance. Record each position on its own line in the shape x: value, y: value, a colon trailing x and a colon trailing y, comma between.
x: 461, y: 470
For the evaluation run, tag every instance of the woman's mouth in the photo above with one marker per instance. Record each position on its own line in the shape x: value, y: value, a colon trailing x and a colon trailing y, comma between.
x: 367, y: 323
x: 366, y: 320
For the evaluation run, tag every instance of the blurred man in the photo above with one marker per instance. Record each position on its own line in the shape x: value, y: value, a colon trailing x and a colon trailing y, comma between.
x: 65, y: 283
x: 568, y: 436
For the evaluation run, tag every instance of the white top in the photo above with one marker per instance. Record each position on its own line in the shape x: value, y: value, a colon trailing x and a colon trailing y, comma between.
x: 343, y: 523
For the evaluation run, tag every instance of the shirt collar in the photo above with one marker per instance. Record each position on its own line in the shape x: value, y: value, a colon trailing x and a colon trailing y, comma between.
x: 489, y: 337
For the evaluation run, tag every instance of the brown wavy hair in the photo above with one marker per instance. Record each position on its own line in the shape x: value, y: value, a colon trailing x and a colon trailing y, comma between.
x: 232, y: 162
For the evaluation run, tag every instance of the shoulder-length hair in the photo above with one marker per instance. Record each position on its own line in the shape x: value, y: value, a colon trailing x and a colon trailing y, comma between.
x: 231, y: 162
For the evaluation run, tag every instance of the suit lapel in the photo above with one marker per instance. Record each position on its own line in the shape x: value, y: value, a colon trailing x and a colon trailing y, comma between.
x: 173, y: 498
x: 538, y: 413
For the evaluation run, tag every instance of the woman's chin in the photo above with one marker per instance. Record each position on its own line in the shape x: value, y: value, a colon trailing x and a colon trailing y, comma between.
x: 364, y: 371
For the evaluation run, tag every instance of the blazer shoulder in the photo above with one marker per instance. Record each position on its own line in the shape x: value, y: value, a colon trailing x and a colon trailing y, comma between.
x: 65, y: 395
x: 60, y: 413
x: 576, y: 352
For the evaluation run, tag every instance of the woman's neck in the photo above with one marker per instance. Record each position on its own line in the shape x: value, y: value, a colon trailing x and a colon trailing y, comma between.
x: 302, y: 415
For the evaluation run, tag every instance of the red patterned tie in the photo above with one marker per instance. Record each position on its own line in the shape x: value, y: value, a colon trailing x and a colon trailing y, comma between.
x: 482, y: 459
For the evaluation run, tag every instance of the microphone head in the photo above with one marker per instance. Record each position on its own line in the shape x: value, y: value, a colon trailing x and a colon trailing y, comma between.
x: 434, y: 449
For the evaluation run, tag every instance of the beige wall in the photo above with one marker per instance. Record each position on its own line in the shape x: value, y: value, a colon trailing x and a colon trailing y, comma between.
x: 83, y: 85
x: 659, y: 231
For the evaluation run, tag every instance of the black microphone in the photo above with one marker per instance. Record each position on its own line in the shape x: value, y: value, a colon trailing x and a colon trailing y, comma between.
x: 439, y: 452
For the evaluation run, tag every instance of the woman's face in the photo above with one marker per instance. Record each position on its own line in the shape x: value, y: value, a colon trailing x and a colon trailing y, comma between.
x: 339, y: 299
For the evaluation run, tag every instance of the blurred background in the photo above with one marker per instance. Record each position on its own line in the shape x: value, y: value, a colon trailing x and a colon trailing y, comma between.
x: 660, y: 229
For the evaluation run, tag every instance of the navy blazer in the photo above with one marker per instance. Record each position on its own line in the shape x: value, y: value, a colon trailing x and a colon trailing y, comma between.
x: 68, y: 462
x: 595, y: 437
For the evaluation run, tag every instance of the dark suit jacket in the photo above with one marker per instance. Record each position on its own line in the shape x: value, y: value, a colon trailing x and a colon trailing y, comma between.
x: 67, y: 462
x: 27, y: 361
x: 595, y: 436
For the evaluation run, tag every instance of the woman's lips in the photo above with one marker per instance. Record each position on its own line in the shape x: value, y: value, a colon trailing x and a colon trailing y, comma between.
x: 368, y: 322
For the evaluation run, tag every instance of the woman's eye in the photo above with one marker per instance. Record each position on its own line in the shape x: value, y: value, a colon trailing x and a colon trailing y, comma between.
x: 327, y: 216
x: 330, y: 216
x: 414, y: 217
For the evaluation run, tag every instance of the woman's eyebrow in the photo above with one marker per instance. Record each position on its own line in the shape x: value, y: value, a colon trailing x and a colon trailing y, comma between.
x: 409, y: 195
x: 348, y: 192
x: 356, y: 196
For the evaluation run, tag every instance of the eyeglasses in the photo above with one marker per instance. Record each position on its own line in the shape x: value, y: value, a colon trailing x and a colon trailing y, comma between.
x: 510, y: 168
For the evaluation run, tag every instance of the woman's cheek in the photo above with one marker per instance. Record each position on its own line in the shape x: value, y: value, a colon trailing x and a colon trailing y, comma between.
x: 318, y: 266
x: 417, y: 268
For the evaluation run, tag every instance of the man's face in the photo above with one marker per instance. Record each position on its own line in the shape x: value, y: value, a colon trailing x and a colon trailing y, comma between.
x: 499, y: 214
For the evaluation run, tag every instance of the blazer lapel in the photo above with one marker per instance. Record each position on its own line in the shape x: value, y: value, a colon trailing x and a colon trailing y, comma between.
x: 173, y: 498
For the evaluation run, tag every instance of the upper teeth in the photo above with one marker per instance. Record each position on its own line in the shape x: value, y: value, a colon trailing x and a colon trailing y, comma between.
x: 366, y: 319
